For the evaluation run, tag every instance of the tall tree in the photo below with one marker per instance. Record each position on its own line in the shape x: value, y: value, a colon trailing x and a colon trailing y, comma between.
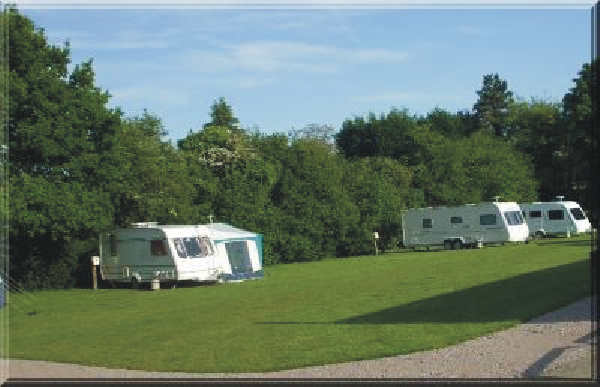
x: 381, y: 188
x: 317, y: 215
x: 62, y: 142
x: 222, y: 115
x: 390, y: 135
x: 156, y: 186
x: 537, y: 132
x: 491, y: 108
x: 578, y: 136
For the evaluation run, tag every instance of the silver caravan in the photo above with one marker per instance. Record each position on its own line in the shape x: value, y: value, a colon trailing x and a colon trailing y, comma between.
x: 553, y: 218
x: 467, y: 225
x: 172, y: 253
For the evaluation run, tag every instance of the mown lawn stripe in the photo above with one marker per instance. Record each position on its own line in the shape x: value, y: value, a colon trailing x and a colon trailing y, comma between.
x: 305, y: 314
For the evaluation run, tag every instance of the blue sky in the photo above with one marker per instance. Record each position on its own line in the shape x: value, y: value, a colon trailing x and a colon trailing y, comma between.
x: 288, y: 68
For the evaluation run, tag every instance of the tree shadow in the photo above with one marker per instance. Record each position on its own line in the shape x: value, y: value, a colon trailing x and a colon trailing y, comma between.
x: 563, y: 242
x: 515, y: 298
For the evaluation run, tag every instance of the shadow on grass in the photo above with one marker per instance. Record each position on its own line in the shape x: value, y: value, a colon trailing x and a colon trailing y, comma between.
x: 163, y: 285
x: 577, y: 243
x: 517, y: 298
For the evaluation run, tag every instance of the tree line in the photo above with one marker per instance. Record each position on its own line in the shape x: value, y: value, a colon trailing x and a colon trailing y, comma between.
x: 78, y: 167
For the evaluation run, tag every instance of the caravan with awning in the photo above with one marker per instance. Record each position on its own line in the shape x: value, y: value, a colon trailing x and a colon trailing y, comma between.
x: 173, y: 253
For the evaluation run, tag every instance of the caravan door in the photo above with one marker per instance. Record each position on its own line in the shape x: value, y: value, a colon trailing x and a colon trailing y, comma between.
x: 239, y: 257
x: 491, y: 226
x: 557, y: 221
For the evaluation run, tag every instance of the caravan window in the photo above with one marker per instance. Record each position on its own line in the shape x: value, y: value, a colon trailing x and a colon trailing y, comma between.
x: 205, y: 246
x: 180, y: 248
x: 157, y: 247
x: 535, y: 214
x: 556, y: 215
x: 513, y: 218
x: 577, y: 213
x: 427, y: 223
x: 456, y: 219
x: 193, y: 247
x: 487, y: 219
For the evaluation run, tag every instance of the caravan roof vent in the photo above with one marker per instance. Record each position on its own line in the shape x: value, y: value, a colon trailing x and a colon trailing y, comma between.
x: 144, y: 224
x: 559, y: 198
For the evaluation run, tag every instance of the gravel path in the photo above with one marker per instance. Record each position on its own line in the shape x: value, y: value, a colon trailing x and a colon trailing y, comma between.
x: 541, y: 347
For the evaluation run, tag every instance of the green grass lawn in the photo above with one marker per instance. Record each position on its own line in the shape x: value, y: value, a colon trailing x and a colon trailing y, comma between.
x: 330, y: 311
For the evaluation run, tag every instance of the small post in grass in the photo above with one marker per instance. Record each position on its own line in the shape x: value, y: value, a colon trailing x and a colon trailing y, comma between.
x: 95, y: 263
x: 375, y: 237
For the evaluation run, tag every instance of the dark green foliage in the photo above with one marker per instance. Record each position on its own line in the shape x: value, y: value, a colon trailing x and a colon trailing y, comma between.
x: 389, y: 135
x: 491, y: 108
x: 476, y: 169
x: 447, y: 169
x: 61, y: 135
x: 578, y: 151
x: 222, y: 115
x: 381, y: 188
x: 537, y: 132
x: 154, y: 185
x: 462, y: 123
x: 318, y: 215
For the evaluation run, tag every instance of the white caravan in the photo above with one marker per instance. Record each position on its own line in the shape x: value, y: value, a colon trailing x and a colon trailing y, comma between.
x: 172, y: 253
x: 557, y: 217
x: 468, y: 225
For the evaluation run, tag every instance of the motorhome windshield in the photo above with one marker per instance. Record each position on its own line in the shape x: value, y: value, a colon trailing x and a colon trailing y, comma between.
x: 577, y: 213
x: 514, y: 218
x: 192, y: 247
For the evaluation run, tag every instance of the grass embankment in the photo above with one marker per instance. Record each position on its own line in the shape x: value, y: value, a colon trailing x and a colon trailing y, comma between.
x: 304, y: 314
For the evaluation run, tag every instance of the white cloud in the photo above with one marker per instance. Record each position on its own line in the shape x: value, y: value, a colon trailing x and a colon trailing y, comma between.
x: 381, y: 56
x: 115, y: 40
x: 154, y: 93
x: 273, y: 56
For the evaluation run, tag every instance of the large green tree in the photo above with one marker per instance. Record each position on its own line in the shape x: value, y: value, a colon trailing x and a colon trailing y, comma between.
x: 155, y: 185
x: 62, y: 140
x: 380, y: 187
x: 389, y: 135
x: 577, y: 150
x: 537, y: 132
x: 462, y: 123
x: 491, y: 107
x: 318, y: 217
x: 221, y: 114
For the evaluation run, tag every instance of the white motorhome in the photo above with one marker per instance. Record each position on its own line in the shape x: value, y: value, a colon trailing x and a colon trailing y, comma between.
x: 554, y: 218
x: 467, y: 225
x: 172, y: 253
